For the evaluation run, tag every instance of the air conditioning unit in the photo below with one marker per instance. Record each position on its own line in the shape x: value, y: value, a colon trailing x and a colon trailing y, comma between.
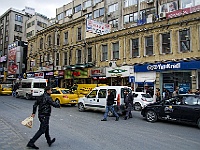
x: 133, y: 25
x: 109, y: 14
x: 58, y: 68
x: 70, y: 15
x: 162, y: 15
x: 149, y: 1
x: 84, y: 9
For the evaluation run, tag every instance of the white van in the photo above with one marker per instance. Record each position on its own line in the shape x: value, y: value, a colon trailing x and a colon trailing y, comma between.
x: 31, y: 88
x: 96, y: 99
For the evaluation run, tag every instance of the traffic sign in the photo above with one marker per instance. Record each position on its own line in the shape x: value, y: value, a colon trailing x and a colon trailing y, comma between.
x: 132, y: 79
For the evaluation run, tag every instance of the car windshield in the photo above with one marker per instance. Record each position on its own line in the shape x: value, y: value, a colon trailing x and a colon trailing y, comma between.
x: 39, y: 85
x: 67, y: 92
x: 6, y: 86
x: 146, y: 95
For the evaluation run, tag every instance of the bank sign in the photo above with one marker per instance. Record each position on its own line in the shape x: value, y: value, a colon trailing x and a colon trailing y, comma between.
x: 182, y: 65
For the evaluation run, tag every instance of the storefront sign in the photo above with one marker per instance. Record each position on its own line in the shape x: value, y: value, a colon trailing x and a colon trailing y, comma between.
x: 182, y: 65
x: 98, y: 72
x: 59, y: 74
x: 30, y: 75
x: 182, y: 12
x: 123, y: 71
x: 39, y: 75
x: 78, y: 73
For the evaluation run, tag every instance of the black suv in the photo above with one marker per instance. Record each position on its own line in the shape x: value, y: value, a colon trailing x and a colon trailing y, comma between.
x: 185, y: 107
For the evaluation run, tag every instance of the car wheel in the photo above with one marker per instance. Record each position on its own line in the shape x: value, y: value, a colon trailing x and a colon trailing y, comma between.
x: 151, y: 116
x: 81, y: 107
x: 73, y: 105
x: 198, y: 123
x: 137, y: 106
x: 58, y: 100
x: 27, y: 96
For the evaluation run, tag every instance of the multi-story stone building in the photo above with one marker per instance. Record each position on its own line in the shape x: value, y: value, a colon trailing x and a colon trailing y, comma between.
x: 17, y: 25
x: 159, y: 54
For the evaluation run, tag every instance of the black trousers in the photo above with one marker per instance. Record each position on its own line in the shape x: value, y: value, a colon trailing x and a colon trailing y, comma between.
x: 44, y: 129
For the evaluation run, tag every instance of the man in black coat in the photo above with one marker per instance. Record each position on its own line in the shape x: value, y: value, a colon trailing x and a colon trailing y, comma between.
x: 109, y: 107
x: 44, y: 113
x: 128, y: 100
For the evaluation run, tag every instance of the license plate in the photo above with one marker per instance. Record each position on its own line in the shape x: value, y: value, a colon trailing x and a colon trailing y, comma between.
x: 73, y: 101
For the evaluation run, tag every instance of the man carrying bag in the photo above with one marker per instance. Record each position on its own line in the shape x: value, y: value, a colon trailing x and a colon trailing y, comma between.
x: 44, y: 113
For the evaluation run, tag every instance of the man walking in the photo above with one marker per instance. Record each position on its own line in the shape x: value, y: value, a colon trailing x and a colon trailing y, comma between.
x: 44, y: 113
x: 109, y: 107
x: 128, y: 100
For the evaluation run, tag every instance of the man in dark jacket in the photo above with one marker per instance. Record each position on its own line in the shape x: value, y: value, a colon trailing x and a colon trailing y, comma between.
x: 109, y: 107
x: 44, y: 113
x: 128, y: 101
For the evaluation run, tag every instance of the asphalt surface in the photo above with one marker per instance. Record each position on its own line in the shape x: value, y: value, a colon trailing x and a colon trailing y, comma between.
x: 76, y: 130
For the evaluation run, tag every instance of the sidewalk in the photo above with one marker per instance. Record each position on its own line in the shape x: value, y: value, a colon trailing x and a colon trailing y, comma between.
x: 10, y: 139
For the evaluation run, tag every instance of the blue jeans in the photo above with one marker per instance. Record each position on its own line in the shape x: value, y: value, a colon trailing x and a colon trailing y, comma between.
x: 110, y: 108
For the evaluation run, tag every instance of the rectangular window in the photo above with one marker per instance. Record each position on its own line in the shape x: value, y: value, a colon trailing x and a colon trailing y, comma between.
x: 113, y: 23
x: 104, y: 52
x: 128, y: 3
x: 149, y: 45
x: 96, y: 13
x: 66, y: 38
x: 115, y: 50
x: 113, y: 7
x: 184, y: 39
x: 41, y: 43
x: 18, y: 18
x: 87, y: 4
x: 18, y: 28
x: 128, y: 18
x: 79, y: 36
x: 78, y: 56
x: 60, y: 16
x: 89, y: 54
x: 49, y: 40
x: 65, y: 58
x: 77, y: 8
x: 89, y: 16
x: 57, y: 59
x: 68, y: 12
x: 135, y: 47
x: 101, y: 11
x: 165, y: 43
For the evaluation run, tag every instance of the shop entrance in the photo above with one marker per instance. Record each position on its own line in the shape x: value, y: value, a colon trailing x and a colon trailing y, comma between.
x: 177, y: 80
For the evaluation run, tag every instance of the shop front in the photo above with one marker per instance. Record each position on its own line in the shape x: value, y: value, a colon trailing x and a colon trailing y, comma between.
x: 182, y: 75
x: 98, y: 76
x: 59, y: 77
x: 76, y: 76
x: 119, y: 75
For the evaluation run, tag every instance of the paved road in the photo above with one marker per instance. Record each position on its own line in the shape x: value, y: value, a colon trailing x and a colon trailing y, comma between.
x: 75, y: 130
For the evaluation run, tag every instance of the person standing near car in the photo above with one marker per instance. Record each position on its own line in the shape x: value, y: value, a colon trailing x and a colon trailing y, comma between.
x: 44, y: 113
x: 109, y: 107
x: 128, y: 100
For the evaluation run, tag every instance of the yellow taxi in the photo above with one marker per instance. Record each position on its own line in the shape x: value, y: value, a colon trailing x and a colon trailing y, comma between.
x: 65, y: 96
x: 5, y: 89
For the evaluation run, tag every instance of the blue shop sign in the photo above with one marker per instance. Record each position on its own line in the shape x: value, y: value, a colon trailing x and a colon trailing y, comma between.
x: 159, y: 67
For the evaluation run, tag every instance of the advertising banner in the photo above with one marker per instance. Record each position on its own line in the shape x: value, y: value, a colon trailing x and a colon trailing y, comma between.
x: 12, y: 66
x: 78, y: 73
x: 97, y: 27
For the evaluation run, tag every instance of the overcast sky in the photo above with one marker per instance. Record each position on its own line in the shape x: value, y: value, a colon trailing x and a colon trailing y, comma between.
x: 45, y: 7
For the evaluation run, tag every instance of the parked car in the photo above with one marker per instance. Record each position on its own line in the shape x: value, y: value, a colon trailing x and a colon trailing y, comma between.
x: 64, y: 96
x: 96, y: 99
x: 141, y: 100
x: 183, y: 108
x: 5, y: 89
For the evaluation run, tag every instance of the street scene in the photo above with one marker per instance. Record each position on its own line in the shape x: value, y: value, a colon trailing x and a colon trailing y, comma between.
x: 100, y: 74
x: 76, y: 130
